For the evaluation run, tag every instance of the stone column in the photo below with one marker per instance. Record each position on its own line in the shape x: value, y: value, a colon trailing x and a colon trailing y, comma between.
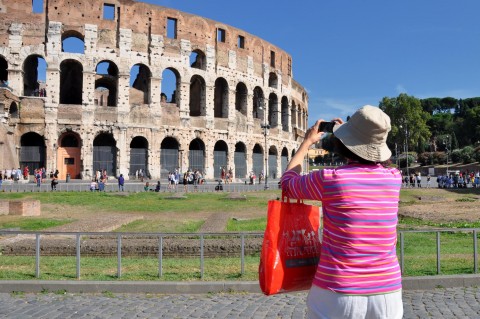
x: 155, y: 91
x: 209, y: 116
x: 183, y: 101
x: 123, y: 93
x: 122, y: 160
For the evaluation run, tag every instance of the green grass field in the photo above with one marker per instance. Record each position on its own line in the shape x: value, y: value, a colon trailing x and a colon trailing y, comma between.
x: 419, y: 255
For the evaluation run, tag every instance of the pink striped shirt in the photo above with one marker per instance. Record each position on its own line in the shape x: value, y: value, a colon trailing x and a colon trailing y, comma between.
x: 360, y: 206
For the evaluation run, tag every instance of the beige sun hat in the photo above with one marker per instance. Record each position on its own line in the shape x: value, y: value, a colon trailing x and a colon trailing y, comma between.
x: 365, y: 134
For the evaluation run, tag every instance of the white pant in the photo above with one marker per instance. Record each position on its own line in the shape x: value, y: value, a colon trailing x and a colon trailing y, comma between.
x: 326, y: 304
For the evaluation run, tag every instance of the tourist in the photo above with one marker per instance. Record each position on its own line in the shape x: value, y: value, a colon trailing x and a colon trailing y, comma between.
x: 358, y: 275
x: 157, y: 188
x: 53, y: 183
x: 93, y: 185
x: 121, y: 182
x: 101, y: 185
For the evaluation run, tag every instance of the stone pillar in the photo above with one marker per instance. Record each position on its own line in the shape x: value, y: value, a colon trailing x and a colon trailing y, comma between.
x: 184, y: 99
x: 122, y: 160
x: 15, y: 80
x: 209, y: 116
x: 155, y: 92
x: 87, y: 155
x: 154, y: 153
x: 123, y: 93
x: 88, y: 95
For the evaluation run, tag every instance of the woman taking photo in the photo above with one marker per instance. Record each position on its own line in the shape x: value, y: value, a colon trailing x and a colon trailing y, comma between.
x: 358, y: 275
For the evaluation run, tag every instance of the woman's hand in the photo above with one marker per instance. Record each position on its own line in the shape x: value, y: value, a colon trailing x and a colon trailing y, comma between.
x: 312, y: 135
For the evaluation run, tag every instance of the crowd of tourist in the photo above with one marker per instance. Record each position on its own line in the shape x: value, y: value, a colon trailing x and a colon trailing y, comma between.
x: 460, y: 180
x: 454, y: 179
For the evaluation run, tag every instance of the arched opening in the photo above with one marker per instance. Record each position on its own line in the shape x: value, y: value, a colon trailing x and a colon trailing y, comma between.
x: 294, y: 114
x: 198, y: 60
x: 169, y: 150
x: 139, y: 156
x: 285, y: 114
x: 197, y: 96
x: 3, y: 70
x: 13, y: 111
x: 72, y: 42
x: 272, y: 80
x: 273, y: 110
x: 272, y: 162
x: 258, y: 103
x: 69, y: 156
x: 170, y: 85
x: 220, y: 158
x: 220, y: 99
x: 240, y: 160
x: 196, y: 155
x: 34, y: 75
x: 140, y: 84
x: 106, y: 84
x: 241, y: 96
x: 32, y: 151
x: 284, y: 159
x: 71, y: 82
x: 105, y: 154
x: 257, y: 159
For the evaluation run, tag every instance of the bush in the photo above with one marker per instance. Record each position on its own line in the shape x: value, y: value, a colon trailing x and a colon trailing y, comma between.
x: 468, y: 155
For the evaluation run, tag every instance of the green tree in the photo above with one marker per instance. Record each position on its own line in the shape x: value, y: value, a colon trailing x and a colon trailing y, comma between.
x: 408, y: 120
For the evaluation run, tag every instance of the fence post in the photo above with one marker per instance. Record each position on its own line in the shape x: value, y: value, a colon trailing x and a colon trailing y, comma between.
x: 201, y: 256
x: 438, y: 253
x: 77, y: 244
x: 475, y: 252
x: 402, y: 247
x: 119, y: 255
x: 243, y: 255
x: 160, y: 256
x: 37, y: 256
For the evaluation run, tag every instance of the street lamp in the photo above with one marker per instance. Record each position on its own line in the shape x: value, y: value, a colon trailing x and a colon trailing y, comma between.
x: 447, y: 147
x: 265, y: 126
x: 405, y: 145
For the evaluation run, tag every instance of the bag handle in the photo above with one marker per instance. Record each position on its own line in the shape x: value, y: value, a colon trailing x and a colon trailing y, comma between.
x: 286, y: 199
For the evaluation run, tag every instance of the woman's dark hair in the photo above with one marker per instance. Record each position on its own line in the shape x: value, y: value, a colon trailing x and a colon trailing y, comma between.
x: 340, y: 149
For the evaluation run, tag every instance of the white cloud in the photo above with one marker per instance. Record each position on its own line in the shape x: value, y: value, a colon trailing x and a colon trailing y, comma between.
x: 400, y: 89
x: 328, y: 108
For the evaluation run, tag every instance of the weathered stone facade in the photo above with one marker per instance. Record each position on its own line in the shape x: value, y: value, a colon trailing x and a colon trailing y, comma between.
x: 225, y: 80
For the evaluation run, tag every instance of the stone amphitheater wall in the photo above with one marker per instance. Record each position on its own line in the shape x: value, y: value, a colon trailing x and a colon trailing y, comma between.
x: 238, y: 83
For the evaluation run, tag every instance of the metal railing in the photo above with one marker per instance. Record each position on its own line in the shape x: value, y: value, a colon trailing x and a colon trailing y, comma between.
x: 200, y: 238
x: 135, y: 187
x: 120, y: 238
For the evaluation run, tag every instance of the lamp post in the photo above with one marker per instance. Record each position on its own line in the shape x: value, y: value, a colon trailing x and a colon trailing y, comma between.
x: 405, y: 145
x: 447, y: 147
x: 265, y: 126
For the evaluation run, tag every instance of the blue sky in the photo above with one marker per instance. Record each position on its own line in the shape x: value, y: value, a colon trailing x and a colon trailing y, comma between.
x: 348, y: 53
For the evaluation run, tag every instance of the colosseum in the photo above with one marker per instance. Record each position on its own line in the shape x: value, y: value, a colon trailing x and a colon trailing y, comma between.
x: 234, y: 102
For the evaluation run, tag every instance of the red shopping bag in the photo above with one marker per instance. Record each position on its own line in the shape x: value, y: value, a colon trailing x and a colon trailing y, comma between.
x: 291, y: 247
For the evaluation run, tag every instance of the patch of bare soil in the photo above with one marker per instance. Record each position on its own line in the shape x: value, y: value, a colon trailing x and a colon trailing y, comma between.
x: 443, y: 211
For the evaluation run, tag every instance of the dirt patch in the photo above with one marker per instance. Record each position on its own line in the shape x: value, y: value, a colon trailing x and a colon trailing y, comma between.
x: 443, y: 211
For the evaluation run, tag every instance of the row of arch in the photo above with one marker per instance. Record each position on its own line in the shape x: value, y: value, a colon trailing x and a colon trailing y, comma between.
x: 107, y: 90
x: 105, y: 155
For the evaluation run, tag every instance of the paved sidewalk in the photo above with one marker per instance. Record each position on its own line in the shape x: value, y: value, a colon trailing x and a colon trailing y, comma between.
x: 445, y: 303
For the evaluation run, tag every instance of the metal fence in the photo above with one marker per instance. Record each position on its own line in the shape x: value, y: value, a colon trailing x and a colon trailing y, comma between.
x: 134, y: 187
x: 195, y: 248
x: 198, y: 244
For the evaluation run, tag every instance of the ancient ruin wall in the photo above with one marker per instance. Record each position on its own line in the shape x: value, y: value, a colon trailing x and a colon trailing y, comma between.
x: 138, y: 35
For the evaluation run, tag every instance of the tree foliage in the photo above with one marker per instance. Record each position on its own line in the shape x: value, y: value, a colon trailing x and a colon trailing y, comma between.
x: 408, y: 120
